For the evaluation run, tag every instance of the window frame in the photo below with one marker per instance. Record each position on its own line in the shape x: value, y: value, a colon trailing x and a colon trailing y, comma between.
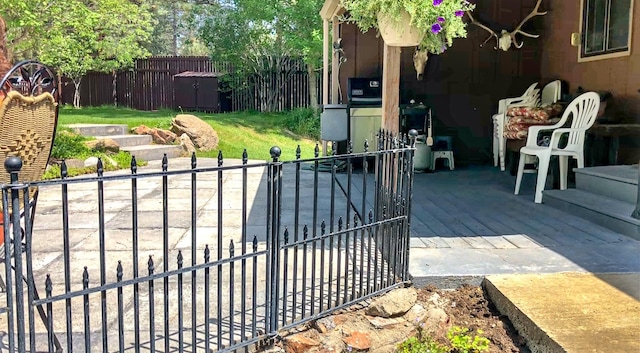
x: 604, y: 55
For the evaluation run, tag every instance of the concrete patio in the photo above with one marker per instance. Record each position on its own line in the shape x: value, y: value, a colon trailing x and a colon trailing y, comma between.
x: 466, y: 225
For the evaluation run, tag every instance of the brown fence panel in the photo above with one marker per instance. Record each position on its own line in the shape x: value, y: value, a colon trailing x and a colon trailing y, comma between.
x: 149, y: 85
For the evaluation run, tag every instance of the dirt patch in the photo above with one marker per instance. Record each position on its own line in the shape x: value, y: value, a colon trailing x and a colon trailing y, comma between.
x: 469, y: 307
x: 356, y: 329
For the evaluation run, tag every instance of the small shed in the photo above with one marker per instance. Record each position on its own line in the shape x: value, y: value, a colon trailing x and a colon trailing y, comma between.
x: 197, y: 91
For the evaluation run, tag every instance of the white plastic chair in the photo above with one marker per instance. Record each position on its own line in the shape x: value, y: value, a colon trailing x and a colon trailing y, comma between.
x: 528, y: 98
x: 550, y: 94
x: 583, y: 111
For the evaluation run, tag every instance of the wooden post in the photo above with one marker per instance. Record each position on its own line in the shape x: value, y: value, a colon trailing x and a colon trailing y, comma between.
x: 325, y: 62
x: 391, y: 89
x: 335, y: 64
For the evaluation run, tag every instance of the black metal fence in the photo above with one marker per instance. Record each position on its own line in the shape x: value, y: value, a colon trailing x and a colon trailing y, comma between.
x: 212, y: 257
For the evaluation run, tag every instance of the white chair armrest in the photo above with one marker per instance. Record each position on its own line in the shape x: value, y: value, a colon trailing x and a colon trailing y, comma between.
x: 557, y: 133
x: 532, y: 135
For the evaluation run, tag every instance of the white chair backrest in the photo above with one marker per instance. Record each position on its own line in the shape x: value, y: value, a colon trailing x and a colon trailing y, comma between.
x: 583, y: 111
x: 551, y: 92
x: 529, y: 90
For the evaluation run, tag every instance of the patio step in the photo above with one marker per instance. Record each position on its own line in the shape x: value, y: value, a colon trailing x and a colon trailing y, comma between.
x: 129, y: 140
x: 606, y: 211
x: 99, y: 129
x: 153, y: 152
x: 619, y: 182
x: 140, y: 146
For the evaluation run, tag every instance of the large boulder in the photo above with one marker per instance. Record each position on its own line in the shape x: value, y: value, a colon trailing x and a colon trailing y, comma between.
x: 204, y: 137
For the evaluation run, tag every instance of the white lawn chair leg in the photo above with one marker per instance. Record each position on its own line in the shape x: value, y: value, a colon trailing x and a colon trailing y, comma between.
x: 580, y: 159
x: 501, y: 142
x: 563, y: 161
x: 541, y: 180
x: 496, y: 157
x: 520, y: 172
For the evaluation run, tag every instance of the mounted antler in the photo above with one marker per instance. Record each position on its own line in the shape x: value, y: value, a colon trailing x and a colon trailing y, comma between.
x: 533, y: 14
x: 493, y: 34
x: 506, y: 38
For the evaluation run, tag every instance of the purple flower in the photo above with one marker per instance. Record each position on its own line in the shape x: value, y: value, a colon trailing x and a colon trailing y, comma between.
x: 440, y: 19
x: 436, y: 28
x: 459, y: 13
x: 437, y: 2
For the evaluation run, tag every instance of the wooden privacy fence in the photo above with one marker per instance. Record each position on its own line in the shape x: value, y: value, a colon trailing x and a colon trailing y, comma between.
x: 149, y: 86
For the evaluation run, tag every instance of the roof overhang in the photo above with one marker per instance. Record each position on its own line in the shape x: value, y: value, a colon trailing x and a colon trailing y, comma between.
x: 331, y: 9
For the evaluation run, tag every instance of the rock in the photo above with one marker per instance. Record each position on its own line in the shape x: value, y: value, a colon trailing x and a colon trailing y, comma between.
x: 340, y: 319
x: 91, y: 162
x: 416, y: 314
x: 102, y: 145
x: 437, y: 319
x: 204, y: 137
x: 188, y: 147
x: 299, y: 343
x: 159, y: 136
x: 381, y: 322
x: 359, y: 341
x: 141, y: 130
x: 75, y: 163
x: 395, y: 303
x: 162, y: 137
x: 110, y: 161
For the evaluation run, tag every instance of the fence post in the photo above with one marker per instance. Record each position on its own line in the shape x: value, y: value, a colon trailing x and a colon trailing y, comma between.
x: 13, y: 166
x: 413, y: 134
x: 273, y: 232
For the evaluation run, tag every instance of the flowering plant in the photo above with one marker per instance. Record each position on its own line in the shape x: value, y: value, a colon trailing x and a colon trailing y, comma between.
x: 441, y: 20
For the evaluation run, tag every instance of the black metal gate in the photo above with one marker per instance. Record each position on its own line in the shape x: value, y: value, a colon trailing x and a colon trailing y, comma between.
x: 208, y: 258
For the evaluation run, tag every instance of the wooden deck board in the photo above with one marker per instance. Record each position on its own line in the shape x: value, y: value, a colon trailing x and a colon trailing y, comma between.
x: 475, y: 208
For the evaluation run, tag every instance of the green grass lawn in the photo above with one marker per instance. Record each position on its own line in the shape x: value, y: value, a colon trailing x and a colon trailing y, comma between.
x: 257, y: 132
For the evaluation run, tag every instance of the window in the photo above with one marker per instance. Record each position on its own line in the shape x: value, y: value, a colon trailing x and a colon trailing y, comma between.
x: 606, y: 29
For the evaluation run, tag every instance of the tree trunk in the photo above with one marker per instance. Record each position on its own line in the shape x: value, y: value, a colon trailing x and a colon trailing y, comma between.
x: 76, y: 93
x: 114, y: 88
x: 313, y: 87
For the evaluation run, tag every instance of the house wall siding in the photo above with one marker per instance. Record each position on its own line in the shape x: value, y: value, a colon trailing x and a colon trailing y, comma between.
x: 462, y: 85
x: 620, y: 76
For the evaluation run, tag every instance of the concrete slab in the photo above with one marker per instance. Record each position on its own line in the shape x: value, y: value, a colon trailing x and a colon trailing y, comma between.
x: 571, y: 312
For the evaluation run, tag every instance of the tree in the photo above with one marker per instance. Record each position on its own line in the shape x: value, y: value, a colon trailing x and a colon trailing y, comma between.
x: 172, y: 34
x: 258, y: 37
x: 77, y: 36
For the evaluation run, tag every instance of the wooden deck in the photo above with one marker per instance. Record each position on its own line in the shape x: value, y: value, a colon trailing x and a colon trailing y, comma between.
x: 467, y: 224
x: 475, y: 207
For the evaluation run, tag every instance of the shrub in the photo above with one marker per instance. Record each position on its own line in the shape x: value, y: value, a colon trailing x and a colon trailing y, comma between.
x: 463, y: 342
x: 68, y: 144
x: 459, y: 341
x: 122, y: 160
x: 304, y: 122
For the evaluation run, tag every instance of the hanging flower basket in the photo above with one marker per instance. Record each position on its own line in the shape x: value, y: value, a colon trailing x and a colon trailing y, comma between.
x: 398, y: 32
x: 430, y: 24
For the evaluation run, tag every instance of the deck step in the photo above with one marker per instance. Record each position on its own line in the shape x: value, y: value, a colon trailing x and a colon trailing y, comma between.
x: 99, y: 129
x: 129, y: 140
x: 606, y: 211
x: 618, y: 182
x: 153, y: 152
